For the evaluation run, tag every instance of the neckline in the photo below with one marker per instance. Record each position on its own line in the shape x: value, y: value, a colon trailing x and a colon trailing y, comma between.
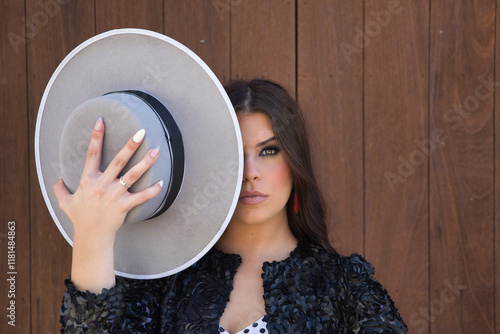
x: 301, y: 245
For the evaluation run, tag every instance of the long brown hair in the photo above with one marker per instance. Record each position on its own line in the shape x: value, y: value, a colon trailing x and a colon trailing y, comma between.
x: 289, y: 128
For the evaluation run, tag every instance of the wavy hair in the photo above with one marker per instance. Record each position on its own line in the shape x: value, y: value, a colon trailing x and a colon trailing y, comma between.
x: 270, y: 98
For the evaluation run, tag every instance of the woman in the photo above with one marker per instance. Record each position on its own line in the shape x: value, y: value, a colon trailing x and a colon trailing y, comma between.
x: 272, y: 271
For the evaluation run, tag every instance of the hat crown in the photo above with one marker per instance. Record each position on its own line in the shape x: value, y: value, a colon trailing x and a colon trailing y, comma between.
x: 124, y: 113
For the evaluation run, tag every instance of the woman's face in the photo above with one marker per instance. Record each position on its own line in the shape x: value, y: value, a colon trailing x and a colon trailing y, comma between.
x: 267, y: 180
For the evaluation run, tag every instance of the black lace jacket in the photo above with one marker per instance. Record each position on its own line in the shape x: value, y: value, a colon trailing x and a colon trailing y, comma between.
x: 312, y: 291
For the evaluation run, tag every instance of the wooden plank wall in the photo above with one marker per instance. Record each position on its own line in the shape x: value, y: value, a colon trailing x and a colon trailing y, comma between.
x: 462, y: 171
x: 399, y: 97
x: 14, y: 175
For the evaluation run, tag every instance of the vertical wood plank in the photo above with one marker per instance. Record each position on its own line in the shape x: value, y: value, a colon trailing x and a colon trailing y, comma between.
x: 115, y: 14
x: 263, y: 40
x: 395, y: 128
x: 496, y: 162
x: 330, y: 91
x: 14, y: 174
x: 461, y: 193
x: 56, y: 30
x: 203, y: 26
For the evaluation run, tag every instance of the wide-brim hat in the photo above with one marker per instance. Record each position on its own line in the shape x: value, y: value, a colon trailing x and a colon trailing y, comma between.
x: 137, y: 79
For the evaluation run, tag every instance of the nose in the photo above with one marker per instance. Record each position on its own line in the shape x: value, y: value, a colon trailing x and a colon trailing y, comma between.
x: 251, y: 170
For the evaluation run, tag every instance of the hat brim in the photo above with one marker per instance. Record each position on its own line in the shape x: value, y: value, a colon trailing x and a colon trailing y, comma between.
x: 136, y: 59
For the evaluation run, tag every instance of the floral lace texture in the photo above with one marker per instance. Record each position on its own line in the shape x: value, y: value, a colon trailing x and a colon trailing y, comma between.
x: 312, y: 291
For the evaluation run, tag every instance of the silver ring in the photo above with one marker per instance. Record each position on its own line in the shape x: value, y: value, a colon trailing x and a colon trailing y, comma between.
x: 123, y: 183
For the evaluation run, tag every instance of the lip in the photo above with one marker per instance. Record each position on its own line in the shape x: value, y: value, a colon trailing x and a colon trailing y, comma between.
x: 252, y: 197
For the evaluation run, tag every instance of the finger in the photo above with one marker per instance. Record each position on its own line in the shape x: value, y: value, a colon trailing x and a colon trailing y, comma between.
x: 122, y: 158
x: 95, y: 148
x: 62, y: 193
x: 138, y: 170
x: 144, y: 195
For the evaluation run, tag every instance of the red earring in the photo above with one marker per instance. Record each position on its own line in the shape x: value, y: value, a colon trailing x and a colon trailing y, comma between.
x: 296, y: 207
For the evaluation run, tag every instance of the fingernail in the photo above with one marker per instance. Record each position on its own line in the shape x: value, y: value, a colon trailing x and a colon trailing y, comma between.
x: 139, y: 135
x: 155, y: 151
x: 161, y: 183
x: 98, y: 124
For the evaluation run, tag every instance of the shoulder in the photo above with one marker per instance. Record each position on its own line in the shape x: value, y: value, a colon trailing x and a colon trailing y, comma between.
x: 353, y: 267
x: 349, y: 277
x: 368, y: 304
x: 345, y: 283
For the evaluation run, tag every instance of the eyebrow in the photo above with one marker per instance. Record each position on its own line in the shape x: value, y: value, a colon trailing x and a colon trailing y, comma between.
x: 266, y: 141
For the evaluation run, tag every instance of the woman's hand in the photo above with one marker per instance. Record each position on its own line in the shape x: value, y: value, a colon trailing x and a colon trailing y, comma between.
x: 100, y: 203
x: 99, y: 206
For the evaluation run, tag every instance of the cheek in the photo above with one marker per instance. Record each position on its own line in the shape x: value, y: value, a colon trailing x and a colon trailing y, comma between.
x: 282, y: 177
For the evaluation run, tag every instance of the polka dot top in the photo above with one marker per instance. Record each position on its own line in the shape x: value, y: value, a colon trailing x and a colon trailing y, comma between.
x: 258, y: 327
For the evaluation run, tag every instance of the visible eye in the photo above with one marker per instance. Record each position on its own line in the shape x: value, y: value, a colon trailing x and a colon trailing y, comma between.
x: 269, y: 151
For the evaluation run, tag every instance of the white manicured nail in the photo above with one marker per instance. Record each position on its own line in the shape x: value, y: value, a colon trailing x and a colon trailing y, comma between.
x: 161, y: 183
x: 98, y: 124
x: 139, y: 135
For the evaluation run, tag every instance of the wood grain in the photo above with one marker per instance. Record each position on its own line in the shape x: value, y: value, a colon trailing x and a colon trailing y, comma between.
x: 461, y: 171
x: 66, y: 27
x: 395, y: 125
x: 203, y: 26
x: 115, y: 14
x: 263, y: 40
x: 330, y: 90
x: 14, y: 174
x: 496, y: 164
x: 414, y: 99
